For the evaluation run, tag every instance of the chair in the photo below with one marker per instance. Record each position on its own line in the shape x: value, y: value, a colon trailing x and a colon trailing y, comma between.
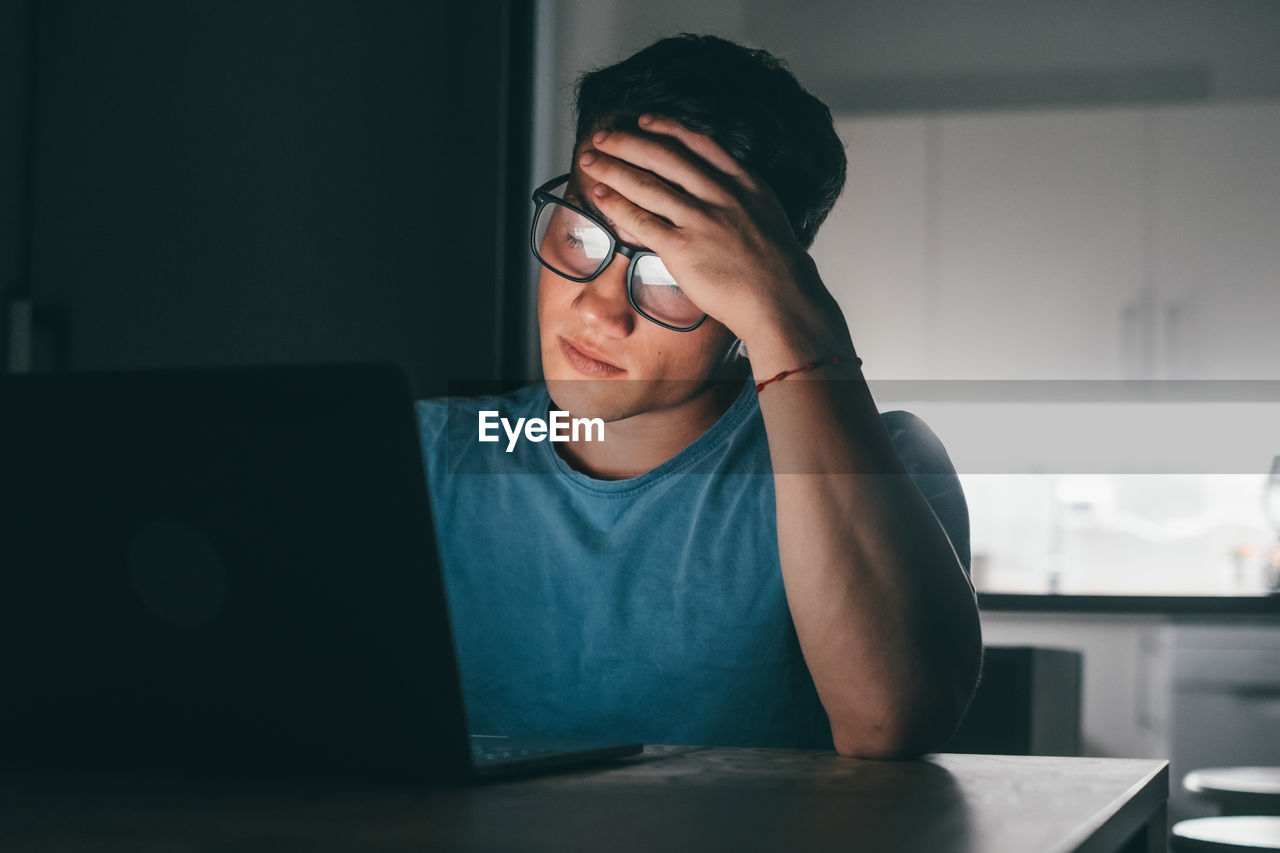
x: 1231, y: 834
x: 1237, y: 790
x: 1027, y: 703
x: 1248, y: 799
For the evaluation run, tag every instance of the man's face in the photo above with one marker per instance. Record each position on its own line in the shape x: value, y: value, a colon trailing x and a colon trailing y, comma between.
x: 602, y: 359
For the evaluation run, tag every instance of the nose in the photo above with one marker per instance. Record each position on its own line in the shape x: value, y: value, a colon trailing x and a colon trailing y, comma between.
x: 603, y: 304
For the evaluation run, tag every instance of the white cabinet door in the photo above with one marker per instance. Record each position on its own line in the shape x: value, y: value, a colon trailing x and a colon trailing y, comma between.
x: 1081, y: 244
x: 1216, y: 240
x: 872, y: 250
x: 1040, y: 245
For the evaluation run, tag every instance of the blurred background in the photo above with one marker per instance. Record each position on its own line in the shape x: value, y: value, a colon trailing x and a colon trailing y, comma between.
x: 1059, y: 244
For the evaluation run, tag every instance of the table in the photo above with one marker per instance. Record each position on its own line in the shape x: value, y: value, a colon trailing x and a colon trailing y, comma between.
x: 666, y: 798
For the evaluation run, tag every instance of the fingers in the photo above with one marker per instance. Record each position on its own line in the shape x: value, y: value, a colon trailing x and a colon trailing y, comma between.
x: 650, y: 229
x: 655, y: 182
x: 698, y: 143
x: 644, y: 188
x: 668, y: 157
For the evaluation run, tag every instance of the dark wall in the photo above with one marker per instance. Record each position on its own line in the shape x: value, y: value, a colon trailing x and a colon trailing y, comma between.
x: 15, y: 115
x: 253, y: 181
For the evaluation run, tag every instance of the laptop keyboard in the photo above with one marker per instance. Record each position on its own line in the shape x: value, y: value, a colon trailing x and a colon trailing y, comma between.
x: 495, y: 754
x: 495, y: 749
x: 485, y: 752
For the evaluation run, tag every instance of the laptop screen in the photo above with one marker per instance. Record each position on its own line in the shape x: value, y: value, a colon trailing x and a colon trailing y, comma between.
x: 230, y: 567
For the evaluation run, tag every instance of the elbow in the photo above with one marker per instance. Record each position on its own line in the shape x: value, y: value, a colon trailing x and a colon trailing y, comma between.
x: 897, y: 741
x: 905, y: 729
x: 918, y: 712
x: 878, y: 745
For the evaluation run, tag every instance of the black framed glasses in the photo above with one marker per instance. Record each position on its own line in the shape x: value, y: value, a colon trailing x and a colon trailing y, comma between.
x: 575, y: 245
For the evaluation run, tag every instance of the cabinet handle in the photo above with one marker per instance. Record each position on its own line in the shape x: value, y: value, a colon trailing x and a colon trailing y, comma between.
x: 1130, y: 345
x: 1173, y: 340
x: 1262, y: 699
x: 1138, y: 327
x: 1257, y: 692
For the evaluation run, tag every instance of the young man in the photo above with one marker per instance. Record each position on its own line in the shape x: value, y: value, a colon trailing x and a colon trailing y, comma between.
x: 730, y: 566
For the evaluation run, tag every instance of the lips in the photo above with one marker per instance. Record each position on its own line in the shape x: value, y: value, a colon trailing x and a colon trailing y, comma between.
x: 586, y: 362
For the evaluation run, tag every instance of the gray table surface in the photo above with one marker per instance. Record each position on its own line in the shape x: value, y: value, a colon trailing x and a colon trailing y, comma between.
x: 668, y: 798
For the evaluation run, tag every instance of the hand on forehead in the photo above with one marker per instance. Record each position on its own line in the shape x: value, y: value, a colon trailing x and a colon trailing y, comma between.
x: 578, y: 192
x: 656, y: 151
x: 720, y: 230
x: 662, y: 145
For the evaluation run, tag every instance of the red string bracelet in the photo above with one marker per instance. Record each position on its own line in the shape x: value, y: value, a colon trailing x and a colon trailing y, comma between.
x: 822, y: 362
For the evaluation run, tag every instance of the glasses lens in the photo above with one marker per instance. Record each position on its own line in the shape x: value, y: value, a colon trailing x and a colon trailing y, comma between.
x: 658, y: 296
x: 568, y: 242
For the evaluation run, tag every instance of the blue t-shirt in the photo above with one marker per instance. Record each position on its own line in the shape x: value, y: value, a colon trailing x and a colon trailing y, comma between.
x: 648, y: 609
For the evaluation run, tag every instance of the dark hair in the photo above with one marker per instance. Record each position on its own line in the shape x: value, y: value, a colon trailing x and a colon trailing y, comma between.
x: 746, y: 100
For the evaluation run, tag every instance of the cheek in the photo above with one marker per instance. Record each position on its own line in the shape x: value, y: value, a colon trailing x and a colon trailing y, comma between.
x: 691, y: 354
x: 711, y: 340
x: 555, y: 294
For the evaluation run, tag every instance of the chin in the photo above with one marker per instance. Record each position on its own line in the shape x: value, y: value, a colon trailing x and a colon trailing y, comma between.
x: 607, y: 399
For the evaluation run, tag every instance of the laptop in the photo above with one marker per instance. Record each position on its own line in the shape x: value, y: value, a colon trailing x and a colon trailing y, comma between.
x: 231, y: 569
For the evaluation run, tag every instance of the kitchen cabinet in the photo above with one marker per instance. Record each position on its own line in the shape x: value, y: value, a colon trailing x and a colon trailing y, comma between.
x: 1215, y: 241
x: 874, y: 250
x: 1127, y: 243
x: 1200, y: 691
x: 1039, y: 244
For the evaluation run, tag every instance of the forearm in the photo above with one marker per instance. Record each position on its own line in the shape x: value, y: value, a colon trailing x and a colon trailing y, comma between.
x: 882, y: 609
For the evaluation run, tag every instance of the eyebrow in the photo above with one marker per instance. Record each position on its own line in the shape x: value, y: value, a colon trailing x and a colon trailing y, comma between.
x: 590, y: 207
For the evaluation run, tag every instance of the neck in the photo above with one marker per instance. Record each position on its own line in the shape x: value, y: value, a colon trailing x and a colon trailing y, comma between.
x: 642, y: 442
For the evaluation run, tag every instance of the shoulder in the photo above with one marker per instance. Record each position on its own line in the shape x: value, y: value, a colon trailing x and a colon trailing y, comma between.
x: 930, y: 467
x: 919, y: 447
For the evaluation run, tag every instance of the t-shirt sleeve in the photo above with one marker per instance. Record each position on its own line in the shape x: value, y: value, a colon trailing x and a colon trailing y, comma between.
x: 433, y: 416
x: 434, y: 420
x: 926, y: 460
